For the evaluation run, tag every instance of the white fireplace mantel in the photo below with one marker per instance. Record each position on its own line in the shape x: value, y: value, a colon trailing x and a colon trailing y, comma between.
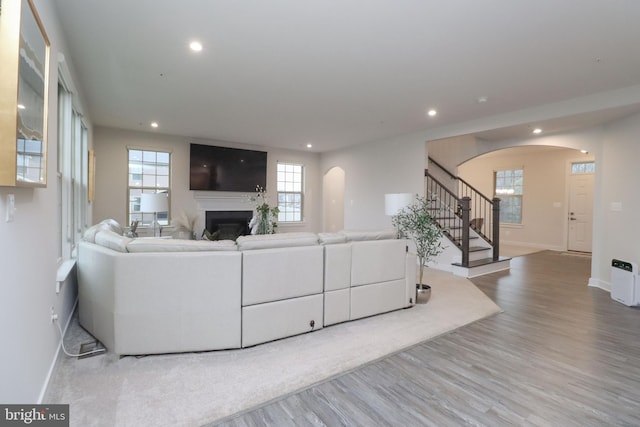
x: 223, y: 201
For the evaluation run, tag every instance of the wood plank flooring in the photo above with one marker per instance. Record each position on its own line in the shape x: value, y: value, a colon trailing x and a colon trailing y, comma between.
x: 561, y: 354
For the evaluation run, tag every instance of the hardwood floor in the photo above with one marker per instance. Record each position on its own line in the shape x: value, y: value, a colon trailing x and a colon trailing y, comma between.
x: 561, y: 354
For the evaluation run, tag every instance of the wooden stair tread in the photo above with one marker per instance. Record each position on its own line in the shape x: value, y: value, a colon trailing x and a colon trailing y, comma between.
x: 481, y: 262
x: 458, y: 239
x: 478, y: 248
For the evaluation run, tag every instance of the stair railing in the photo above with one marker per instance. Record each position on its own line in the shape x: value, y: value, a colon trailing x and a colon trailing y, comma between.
x: 471, y: 207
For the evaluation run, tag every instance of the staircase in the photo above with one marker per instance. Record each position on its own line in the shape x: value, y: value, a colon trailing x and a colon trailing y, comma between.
x: 469, y: 220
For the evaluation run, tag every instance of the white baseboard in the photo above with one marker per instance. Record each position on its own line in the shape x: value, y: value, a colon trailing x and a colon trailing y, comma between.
x: 57, y: 354
x: 533, y: 245
x: 597, y: 283
x: 440, y: 266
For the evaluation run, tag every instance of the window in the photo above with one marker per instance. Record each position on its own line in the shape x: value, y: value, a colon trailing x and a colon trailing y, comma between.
x: 290, y: 188
x: 509, y: 188
x: 30, y: 159
x: 72, y: 173
x: 149, y: 172
x: 583, y: 167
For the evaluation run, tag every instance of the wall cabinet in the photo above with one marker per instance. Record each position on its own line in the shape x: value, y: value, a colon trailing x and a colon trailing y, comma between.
x: 24, y: 55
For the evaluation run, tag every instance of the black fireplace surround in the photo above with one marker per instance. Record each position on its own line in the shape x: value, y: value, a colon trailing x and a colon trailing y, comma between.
x: 227, y: 225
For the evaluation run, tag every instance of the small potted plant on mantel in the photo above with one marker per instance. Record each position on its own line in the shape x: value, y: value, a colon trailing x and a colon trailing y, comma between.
x: 265, y: 218
x: 416, y: 223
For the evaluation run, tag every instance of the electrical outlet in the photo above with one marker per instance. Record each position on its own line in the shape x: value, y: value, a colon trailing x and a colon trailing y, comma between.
x: 54, y: 315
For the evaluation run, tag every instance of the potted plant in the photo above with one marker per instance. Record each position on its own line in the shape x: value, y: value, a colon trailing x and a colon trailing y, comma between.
x: 416, y: 223
x: 265, y: 219
x: 185, y: 226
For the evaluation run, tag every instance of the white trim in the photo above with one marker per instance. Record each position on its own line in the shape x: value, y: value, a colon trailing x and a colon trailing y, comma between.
x: 511, y: 225
x: 291, y: 223
x: 303, y: 183
x: 140, y: 148
x: 533, y: 245
x: 567, y: 191
x: 597, y: 283
x: 64, y: 268
x: 223, y: 201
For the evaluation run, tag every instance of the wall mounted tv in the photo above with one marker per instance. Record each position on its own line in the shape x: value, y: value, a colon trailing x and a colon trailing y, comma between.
x: 226, y: 169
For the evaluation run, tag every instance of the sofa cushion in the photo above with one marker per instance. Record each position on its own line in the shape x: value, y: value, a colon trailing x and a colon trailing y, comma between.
x: 358, y: 235
x: 332, y: 238
x: 111, y: 240
x: 375, y: 261
x: 107, y: 224
x: 90, y: 233
x: 179, y: 245
x: 267, y: 241
x: 113, y: 225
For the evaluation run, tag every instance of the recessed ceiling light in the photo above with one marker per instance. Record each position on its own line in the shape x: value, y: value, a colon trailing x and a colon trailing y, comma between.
x: 195, y: 46
x: 154, y: 124
x: 537, y: 131
x: 432, y: 112
x: 309, y: 145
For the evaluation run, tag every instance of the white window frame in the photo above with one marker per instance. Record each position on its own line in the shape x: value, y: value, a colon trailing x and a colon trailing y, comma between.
x: 290, y: 184
x: 135, y: 188
x: 586, y: 167
x: 72, y: 173
x: 507, y: 191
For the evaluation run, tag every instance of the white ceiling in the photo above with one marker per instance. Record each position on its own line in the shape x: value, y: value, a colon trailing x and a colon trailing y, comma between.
x: 340, y: 72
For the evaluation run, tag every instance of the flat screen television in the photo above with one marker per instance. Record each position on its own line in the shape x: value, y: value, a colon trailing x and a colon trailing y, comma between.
x: 226, y: 169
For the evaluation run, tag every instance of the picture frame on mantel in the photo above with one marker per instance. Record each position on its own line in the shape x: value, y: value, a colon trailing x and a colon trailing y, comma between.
x: 24, y: 75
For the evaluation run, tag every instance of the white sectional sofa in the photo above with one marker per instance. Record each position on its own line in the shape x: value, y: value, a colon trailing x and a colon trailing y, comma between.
x: 365, y: 273
x: 149, y: 296
x: 282, y: 286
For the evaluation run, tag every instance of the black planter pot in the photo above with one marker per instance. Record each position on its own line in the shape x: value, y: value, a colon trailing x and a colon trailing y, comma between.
x: 423, y: 293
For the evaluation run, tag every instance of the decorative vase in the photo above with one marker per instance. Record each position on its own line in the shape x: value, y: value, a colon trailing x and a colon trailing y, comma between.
x: 264, y: 223
x: 423, y: 293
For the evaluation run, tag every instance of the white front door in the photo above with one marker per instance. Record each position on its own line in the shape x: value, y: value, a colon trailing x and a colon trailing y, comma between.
x: 580, y: 211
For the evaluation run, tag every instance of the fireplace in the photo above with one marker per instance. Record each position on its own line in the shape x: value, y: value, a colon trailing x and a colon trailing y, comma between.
x: 227, y: 225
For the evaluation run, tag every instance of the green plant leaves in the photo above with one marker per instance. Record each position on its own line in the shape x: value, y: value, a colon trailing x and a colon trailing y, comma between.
x: 416, y: 223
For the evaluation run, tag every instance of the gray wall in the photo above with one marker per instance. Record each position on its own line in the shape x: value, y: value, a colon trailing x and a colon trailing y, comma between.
x: 395, y: 165
x: 28, y: 259
x: 616, y: 234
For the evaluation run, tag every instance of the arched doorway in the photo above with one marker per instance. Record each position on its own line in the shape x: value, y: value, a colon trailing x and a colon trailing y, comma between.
x: 548, y: 198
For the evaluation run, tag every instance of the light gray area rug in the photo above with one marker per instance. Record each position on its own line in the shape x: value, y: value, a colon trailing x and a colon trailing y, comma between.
x: 197, y: 388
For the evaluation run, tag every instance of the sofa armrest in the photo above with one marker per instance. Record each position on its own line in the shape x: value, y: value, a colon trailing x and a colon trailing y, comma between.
x: 147, y: 303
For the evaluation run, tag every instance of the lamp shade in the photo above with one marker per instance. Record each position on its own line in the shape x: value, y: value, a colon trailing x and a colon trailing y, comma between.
x: 395, y: 202
x: 154, y: 202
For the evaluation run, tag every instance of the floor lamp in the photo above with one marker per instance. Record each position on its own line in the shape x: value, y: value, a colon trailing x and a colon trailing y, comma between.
x: 395, y: 202
x: 154, y: 202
